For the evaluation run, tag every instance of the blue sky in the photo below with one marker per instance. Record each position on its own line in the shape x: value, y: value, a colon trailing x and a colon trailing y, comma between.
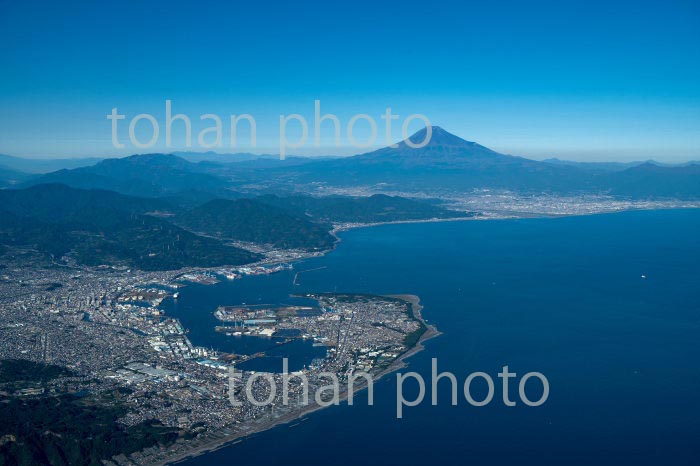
x: 582, y: 80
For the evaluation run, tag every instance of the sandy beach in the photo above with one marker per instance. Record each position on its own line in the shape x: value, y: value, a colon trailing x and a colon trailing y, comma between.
x: 218, y: 443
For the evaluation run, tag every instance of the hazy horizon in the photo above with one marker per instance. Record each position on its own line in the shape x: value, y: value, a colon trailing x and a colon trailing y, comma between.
x: 573, y: 155
x: 567, y: 80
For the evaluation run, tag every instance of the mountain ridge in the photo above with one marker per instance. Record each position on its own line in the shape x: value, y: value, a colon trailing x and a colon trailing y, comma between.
x: 447, y: 163
x: 106, y: 228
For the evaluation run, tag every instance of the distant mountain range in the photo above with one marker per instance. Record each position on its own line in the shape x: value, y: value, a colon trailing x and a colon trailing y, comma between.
x: 148, y: 175
x: 39, y: 166
x: 651, y: 180
x: 603, y: 167
x: 446, y: 164
x: 614, y: 166
x: 449, y: 163
x: 10, y: 177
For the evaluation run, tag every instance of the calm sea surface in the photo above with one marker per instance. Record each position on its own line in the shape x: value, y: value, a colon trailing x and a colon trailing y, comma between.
x: 564, y: 297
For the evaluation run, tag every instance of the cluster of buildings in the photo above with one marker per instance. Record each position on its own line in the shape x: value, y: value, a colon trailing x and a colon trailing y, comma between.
x: 105, y: 325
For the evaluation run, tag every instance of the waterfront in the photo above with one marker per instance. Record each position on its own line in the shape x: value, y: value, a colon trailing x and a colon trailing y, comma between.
x: 562, y: 296
x: 196, y: 305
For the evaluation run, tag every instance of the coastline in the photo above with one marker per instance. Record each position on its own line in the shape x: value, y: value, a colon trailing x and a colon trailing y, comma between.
x: 353, y: 226
x: 341, y: 227
x: 216, y: 444
x: 431, y: 332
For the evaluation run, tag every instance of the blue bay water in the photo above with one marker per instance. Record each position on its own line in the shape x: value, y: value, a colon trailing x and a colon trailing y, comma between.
x: 564, y: 297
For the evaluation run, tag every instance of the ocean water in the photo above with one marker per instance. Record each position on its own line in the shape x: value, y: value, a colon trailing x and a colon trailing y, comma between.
x: 564, y: 297
x: 196, y: 305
